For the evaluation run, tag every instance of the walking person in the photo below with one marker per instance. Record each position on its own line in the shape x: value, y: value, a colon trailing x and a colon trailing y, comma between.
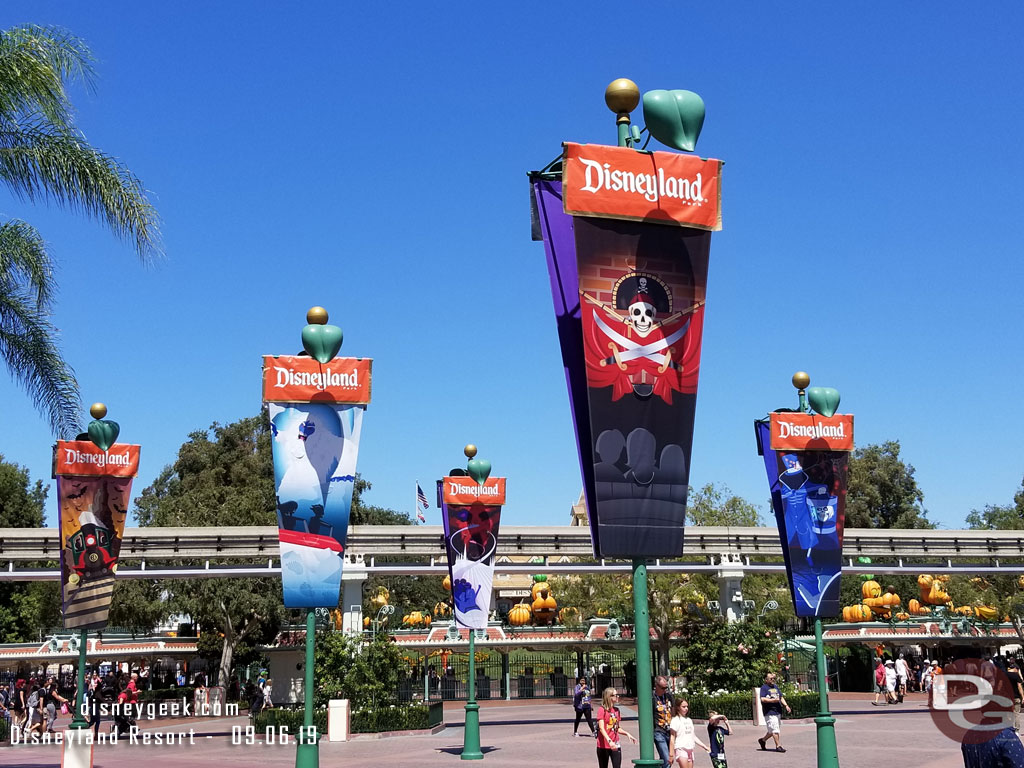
x: 890, y: 681
x: 902, y: 676
x: 684, y: 737
x: 1017, y: 681
x: 581, y: 703
x: 772, y: 702
x: 19, y: 706
x: 609, y: 727
x: 718, y: 729
x: 926, y: 677
x: 34, y: 718
x: 662, y: 708
x: 50, y: 700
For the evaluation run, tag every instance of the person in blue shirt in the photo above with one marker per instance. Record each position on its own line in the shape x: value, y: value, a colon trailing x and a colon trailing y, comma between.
x: 718, y: 729
x: 1004, y: 750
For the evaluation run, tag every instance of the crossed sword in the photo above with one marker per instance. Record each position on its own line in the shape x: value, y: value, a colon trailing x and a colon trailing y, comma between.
x: 634, y: 349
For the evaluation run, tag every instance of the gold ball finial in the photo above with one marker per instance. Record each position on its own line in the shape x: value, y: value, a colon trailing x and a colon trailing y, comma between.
x: 801, y: 380
x: 316, y: 316
x: 622, y: 96
x: 470, y: 451
x: 97, y: 410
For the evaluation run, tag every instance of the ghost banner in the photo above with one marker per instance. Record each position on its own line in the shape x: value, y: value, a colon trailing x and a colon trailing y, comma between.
x: 471, y: 513
x: 806, y: 456
x: 316, y: 416
x: 93, y: 490
x: 629, y: 287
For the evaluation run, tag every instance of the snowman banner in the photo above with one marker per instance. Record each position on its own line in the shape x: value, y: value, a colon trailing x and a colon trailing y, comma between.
x: 316, y: 416
x: 471, y: 513
x: 93, y: 489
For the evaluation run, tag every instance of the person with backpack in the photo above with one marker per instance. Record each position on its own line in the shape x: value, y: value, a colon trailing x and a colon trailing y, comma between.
x: 35, y: 710
x: 581, y: 703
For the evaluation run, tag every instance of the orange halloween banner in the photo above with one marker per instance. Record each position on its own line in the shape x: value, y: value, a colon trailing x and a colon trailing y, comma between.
x: 82, y: 457
x: 466, y: 490
x: 622, y: 183
x: 811, y: 432
x: 299, y: 379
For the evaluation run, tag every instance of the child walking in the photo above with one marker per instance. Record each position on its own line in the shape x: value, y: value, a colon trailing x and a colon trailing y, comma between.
x: 718, y: 729
x: 684, y: 738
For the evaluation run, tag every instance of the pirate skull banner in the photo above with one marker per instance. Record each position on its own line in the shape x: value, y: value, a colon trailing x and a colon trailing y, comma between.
x: 315, y: 446
x: 471, y: 536
x: 808, y: 486
x: 93, y: 490
x: 629, y: 303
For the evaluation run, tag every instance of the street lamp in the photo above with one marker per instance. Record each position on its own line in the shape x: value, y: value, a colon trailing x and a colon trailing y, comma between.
x: 385, y: 610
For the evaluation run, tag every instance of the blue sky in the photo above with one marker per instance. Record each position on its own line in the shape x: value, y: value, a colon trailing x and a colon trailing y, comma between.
x: 372, y: 159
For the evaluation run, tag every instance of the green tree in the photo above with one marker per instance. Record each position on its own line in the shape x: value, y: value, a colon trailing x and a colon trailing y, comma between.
x: 44, y: 156
x: 222, y: 476
x: 882, y: 490
x: 365, y: 674
x: 1007, y: 517
x: 717, y: 505
x: 26, y: 609
x: 731, y: 657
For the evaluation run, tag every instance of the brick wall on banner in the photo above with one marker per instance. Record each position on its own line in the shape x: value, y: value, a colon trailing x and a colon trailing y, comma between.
x: 599, y: 277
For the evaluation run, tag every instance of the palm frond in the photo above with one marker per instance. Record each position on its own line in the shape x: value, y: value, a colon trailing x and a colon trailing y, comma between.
x: 36, y: 64
x: 39, y: 162
x: 28, y: 345
x: 25, y: 263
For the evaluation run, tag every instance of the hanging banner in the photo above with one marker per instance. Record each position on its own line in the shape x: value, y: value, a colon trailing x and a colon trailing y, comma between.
x: 315, y: 447
x: 471, y: 536
x: 629, y: 303
x: 93, y: 491
x: 808, y: 486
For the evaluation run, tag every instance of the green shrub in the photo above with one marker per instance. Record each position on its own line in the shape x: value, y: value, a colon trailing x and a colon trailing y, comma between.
x: 5, y: 730
x: 392, y: 718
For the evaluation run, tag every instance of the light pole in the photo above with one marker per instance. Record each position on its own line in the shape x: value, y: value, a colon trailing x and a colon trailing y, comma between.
x: 385, y: 610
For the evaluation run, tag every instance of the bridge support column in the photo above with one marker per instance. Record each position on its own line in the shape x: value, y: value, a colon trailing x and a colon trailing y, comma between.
x: 352, y: 579
x: 730, y: 588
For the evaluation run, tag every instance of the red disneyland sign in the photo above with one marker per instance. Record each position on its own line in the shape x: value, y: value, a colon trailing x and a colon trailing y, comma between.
x: 622, y: 183
x: 811, y: 432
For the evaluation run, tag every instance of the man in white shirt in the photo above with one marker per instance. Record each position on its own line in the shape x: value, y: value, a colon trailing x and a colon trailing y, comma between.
x: 902, y: 675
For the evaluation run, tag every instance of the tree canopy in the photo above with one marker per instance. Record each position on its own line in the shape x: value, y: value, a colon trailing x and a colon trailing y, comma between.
x: 1006, y: 517
x: 45, y: 157
x: 882, y: 490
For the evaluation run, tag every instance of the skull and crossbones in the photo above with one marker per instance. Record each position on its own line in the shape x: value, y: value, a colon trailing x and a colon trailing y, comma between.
x: 642, y: 314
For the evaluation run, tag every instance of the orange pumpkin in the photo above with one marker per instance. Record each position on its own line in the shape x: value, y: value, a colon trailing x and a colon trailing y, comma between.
x: 890, y: 599
x: 902, y: 616
x: 856, y: 613
x: 519, y: 615
x: 870, y: 589
x: 442, y: 609
x: 447, y: 583
x: 986, y: 612
x: 568, y: 615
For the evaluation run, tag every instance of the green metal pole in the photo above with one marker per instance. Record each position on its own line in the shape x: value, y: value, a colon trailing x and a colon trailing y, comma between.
x: 471, y: 737
x: 79, y: 721
x: 307, y: 752
x: 642, y: 644
x: 828, y: 752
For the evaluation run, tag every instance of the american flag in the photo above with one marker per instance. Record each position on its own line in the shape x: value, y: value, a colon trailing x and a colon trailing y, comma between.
x: 421, y: 503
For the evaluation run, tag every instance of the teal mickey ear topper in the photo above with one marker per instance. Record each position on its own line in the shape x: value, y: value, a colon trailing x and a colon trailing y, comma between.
x: 320, y: 340
x: 674, y: 117
x: 825, y: 400
x: 102, y: 432
x: 478, y: 469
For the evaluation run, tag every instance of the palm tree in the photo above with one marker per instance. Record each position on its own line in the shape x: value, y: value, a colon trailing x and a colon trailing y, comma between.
x: 43, y: 157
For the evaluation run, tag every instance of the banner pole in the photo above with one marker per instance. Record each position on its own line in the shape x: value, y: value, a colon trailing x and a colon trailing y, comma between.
x: 78, y: 721
x: 307, y: 752
x: 828, y: 751
x: 471, y: 738
x: 642, y: 645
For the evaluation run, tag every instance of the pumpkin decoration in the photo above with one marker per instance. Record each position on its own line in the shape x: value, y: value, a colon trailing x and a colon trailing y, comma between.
x: 381, y: 598
x: 902, y: 617
x: 416, y: 619
x: 916, y: 609
x: 442, y: 610
x: 519, y: 615
x: 932, y: 589
x: 569, y: 615
x: 447, y: 583
x: 986, y: 612
x: 544, y: 604
x: 964, y: 610
x: 366, y: 622
x: 856, y: 613
x: 870, y: 589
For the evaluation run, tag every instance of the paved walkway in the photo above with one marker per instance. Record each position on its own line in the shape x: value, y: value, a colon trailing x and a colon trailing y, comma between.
x: 535, y: 733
